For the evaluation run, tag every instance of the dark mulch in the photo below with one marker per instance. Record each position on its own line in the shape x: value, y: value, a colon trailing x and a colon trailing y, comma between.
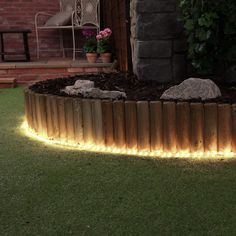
x: 128, y: 83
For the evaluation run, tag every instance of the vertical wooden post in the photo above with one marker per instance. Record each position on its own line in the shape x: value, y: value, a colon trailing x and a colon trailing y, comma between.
x: 143, y: 126
x: 49, y: 116
x: 43, y: 115
x: 55, y: 117
x: 69, y: 119
x: 119, y: 123
x: 234, y: 128
x: 156, y: 126
x: 34, y: 113
x: 197, y: 127
x: 38, y: 116
x: 30, y: 121
x: 107, y: 114
x: 131, y: 124
x: 224, y: 127
x: 26, y: 106
x: 210, y: 130
x: 62, y: 118
x: 98, y: 122
x: 183, y: 126
x: 169, y: 126
x: 87, y: 121
x: 78, y: 121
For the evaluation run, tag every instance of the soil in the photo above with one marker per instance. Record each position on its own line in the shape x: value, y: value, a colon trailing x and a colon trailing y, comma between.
x: 135, y: 89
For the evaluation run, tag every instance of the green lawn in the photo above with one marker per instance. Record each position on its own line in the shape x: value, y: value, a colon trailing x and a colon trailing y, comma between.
x: 49, y: 191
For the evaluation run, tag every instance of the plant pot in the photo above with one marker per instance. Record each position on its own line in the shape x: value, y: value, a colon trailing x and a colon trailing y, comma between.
x: 91, y: 57
x: 106, y: 57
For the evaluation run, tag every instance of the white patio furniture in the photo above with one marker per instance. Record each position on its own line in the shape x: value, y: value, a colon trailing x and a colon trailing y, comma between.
x: 73, y: 15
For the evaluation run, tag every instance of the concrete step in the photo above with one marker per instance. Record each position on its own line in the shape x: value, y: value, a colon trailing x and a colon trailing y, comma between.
x: 7, y: 82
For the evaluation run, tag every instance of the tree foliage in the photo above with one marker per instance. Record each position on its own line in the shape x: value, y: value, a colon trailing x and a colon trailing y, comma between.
x: 210, y: 27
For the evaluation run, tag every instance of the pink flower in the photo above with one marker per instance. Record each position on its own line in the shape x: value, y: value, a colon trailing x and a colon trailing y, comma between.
x: 102, y: 33
x: 108, y: 31
x: 99, y: 37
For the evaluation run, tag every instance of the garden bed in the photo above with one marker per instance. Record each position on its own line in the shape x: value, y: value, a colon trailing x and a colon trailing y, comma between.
x: 135, y: 89
x: 145, y: 126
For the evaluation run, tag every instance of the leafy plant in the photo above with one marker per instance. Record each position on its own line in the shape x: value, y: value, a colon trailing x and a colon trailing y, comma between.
x: 90, y: 45
x: 210, y: 27
x: 104, y: 41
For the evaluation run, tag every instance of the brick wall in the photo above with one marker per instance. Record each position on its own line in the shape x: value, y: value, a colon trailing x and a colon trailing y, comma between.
x: 20, y: 13
x: 157, y: 40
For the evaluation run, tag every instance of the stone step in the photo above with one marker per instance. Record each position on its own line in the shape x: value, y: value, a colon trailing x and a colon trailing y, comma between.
x: 7, y: 82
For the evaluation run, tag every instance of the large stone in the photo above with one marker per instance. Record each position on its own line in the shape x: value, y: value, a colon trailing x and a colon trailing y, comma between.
x: 83, y: 84
x: 87, y: 90
x: 193, y: 88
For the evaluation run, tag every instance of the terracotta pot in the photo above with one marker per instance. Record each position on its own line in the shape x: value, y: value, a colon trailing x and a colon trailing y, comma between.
x: 91, y: 57
x: 106, y: 57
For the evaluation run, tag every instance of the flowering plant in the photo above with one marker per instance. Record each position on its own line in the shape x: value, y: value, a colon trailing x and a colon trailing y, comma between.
x: 90, y: 45
x: 104, y: 41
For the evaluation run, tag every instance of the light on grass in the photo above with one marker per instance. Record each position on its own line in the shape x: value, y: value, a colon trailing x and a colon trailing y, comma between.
x: 122, y: 151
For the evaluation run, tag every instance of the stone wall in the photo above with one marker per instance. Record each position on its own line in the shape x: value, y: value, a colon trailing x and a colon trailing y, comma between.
x: 157, y: 41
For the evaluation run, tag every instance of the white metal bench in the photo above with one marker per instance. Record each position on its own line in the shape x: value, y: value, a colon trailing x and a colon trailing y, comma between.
x: 83, y: 14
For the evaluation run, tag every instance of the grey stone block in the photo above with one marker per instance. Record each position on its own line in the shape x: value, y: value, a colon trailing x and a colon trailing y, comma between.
x: 158, y: 26
x: 179, y: 67
x: 153, y: 6
x: 159, y: 70
x: 180, y: 45
x: 155, y: 49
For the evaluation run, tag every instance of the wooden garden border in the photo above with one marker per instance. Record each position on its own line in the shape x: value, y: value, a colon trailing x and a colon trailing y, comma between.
x: 145, y: 126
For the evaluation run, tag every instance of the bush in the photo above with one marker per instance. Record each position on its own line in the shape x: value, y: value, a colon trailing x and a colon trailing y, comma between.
x: 210, y: 27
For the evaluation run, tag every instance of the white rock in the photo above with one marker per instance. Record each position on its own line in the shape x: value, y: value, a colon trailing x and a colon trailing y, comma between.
x: 193, y: 88
x: 83, y: 84
x: 87, y: 90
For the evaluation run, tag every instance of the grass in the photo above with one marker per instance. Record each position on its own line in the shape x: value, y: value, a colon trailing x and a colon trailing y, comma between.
x: 50, y: 191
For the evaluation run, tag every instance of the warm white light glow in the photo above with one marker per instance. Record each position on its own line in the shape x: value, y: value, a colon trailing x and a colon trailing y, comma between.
x: 122, y: 151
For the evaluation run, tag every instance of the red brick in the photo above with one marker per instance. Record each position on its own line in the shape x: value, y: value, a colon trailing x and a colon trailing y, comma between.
x: 76, y: 70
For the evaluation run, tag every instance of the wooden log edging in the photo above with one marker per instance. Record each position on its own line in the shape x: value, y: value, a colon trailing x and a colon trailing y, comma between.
x: 156, y: 127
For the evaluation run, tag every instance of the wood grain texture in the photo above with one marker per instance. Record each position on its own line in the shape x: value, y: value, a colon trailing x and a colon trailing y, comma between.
x: 143, y: 126
x: 197, y: 127
x: 131, y: 124
x: 183, y: 126
x: 98, y: 122
x: 234, y: 128
x: 69, y: 112
x: 87, y: 121
x: 62, y: 118
x: 119, y: 124
x: 78, y: 121
x: 156, y: 126
x: 169, y: 126
x: 210, y: 130
x: 224, y: 127
x: 107, y: 112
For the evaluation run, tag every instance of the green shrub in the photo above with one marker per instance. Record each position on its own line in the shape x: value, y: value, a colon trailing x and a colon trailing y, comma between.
x: 210, y: 27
